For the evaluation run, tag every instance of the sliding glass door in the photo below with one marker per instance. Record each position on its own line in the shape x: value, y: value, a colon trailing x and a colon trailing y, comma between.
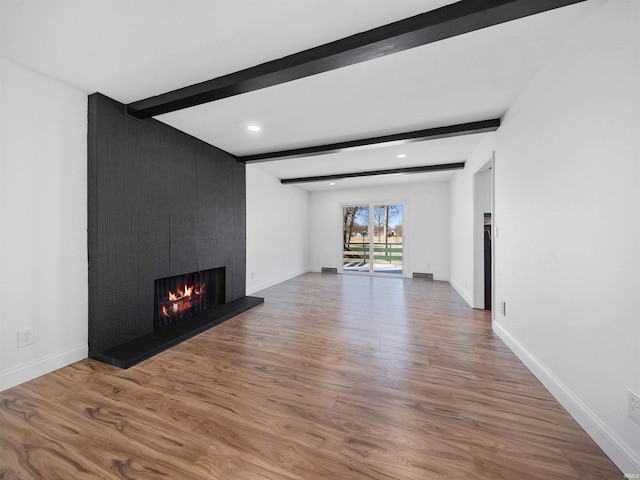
x: 372, y: 238
x: 355, y: 238
x: 387, y: 238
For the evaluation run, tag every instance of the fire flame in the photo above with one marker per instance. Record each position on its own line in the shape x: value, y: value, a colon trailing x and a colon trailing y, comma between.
x: 182, y: 299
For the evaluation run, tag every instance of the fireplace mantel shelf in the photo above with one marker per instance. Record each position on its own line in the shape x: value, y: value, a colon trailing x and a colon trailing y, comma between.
x: 133, y: 352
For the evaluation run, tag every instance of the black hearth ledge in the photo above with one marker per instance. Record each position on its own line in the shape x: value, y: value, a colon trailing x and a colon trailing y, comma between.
x: 133, y: 352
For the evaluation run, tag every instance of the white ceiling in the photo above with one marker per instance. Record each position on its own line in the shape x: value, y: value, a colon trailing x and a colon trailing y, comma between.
x: 134, y: 49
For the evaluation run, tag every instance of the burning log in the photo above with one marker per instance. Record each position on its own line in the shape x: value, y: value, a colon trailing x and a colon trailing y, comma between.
x: 182, y: 302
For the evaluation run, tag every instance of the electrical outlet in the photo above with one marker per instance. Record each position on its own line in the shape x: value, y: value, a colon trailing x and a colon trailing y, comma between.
x: 25, y: 337
x: 634, y: 406
x: 503, y: 308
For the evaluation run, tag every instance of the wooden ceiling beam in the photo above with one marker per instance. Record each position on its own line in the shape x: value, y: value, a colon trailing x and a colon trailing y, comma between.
x: 372, y: 173
x: 372, y: 142
x: 449, y: 21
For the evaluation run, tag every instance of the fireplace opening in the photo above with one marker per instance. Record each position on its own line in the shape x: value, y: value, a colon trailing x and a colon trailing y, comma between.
x: 181, y: 297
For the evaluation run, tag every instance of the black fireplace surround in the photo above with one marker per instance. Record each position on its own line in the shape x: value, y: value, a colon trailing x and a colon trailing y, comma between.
x: 160, y: 204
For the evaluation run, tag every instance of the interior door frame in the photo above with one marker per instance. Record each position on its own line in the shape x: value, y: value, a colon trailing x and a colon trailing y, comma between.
x: 487, y: 190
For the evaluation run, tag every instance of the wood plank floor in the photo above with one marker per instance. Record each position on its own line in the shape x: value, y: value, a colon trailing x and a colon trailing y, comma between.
x: 334, y: 377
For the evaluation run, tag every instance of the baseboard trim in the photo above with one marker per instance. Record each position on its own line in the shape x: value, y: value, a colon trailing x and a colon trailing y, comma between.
x: 620, y: 453
x: 461, y: 293
x: 274, y: 281
x: 15, y: 376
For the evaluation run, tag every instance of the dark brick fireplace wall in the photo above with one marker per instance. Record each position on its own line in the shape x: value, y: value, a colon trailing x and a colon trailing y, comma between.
x: 161, y: 203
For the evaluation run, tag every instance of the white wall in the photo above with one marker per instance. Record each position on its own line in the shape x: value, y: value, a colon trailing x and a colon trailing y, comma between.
x: 462, y: 220
x: 426, y: 224
x: 567, y: 205
x: 43, y: 219
x: 277, y: 230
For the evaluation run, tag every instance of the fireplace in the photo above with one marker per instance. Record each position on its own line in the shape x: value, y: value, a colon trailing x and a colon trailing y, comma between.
x: 160, y: 203
x: 181, y: 297
x: 184, y: 306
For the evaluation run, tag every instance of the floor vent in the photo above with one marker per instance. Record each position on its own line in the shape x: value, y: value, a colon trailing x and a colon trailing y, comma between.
x: 329, y: 270
x: 427, y: 276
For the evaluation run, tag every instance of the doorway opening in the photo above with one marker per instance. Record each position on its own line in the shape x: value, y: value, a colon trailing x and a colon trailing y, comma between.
x: 487, y: 261
x: 373, y: 239
x: 483, y: 224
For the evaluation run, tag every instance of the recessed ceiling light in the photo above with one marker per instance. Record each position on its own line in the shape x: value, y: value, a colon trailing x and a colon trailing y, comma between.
x: 254, y: 128
x: 401, y: 155
x: 332, y: 183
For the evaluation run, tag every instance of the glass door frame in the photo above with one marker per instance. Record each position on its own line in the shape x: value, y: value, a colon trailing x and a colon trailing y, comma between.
x: 370, y: 231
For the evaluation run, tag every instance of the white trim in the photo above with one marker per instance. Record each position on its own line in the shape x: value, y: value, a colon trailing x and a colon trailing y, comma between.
x: 461, y: 292
x: 620, y: 453
x: 270, y: 283
x: 15, y: 376
x: 479, y: 190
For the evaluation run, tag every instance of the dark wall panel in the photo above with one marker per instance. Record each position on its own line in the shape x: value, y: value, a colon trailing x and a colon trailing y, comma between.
x: 160, y: 203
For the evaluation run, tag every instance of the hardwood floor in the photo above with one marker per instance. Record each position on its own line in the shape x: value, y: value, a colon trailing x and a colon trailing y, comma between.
x: 334, y: 377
